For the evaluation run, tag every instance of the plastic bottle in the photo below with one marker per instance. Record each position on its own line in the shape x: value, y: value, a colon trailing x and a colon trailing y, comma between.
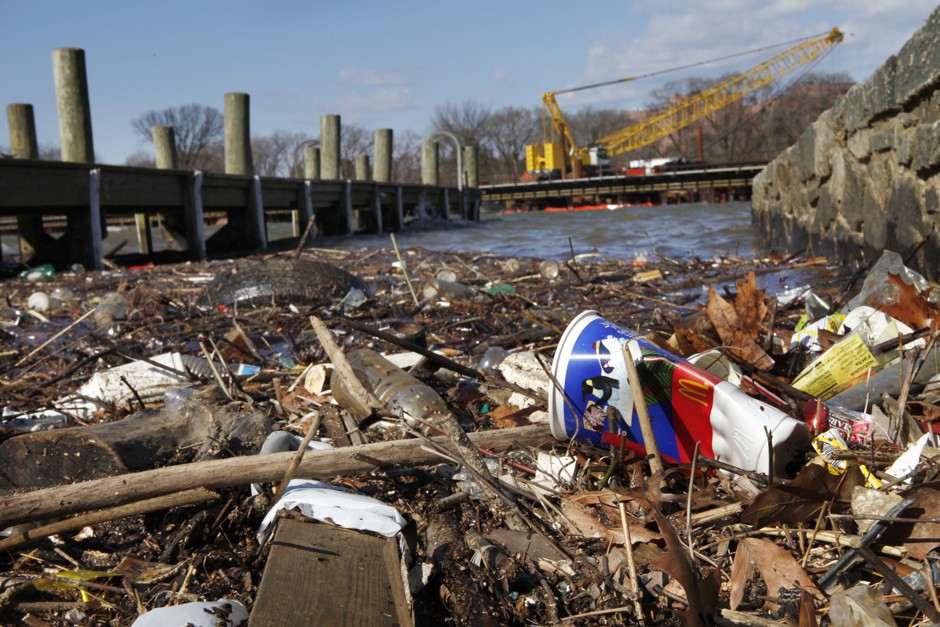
x: 110, y: 312
x: 399, y: 390
x: 45, y: 271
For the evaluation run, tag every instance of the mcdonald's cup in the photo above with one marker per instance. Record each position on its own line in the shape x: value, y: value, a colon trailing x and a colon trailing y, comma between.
x: 593, y: 403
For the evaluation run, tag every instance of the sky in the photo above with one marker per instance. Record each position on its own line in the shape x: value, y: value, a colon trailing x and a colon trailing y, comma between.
x: 389, y: 63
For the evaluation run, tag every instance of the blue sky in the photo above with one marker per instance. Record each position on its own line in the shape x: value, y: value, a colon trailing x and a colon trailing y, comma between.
x: 387, y: 64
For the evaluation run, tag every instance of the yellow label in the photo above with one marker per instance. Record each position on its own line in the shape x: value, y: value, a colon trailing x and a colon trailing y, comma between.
x: 838, y: 369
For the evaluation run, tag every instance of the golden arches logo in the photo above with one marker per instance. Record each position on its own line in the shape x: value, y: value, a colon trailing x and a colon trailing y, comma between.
x: 695, y: 391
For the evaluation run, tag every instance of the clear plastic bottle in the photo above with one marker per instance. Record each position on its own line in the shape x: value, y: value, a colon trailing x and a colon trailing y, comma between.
x: 110, y: 312
x: 390, y: 384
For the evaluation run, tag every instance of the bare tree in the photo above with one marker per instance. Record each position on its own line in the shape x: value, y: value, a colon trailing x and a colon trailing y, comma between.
x: 406, y: 157
x: 510, y: 130
x: 355, y: 140
x: 273, y: 154
x: 196, y: 128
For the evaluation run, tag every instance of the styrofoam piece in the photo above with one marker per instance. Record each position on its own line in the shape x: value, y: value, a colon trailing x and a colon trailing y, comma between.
x: 336, y: 506
x: 221, y: 613
x: 522, y: 368
x: 146, y: 378
x: 552, y: 470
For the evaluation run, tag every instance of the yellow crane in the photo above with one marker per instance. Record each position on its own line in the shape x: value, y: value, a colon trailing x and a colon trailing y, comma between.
x: 554, y: 154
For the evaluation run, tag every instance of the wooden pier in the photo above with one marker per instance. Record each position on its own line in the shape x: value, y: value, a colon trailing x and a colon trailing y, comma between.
x: 87, y: 196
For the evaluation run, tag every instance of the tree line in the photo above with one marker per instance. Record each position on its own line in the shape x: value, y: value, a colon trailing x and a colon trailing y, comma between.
x: 756, y: 128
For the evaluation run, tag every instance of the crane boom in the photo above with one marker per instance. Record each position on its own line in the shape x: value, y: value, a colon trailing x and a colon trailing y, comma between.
x: 714, y: 98
x: 552, y: 156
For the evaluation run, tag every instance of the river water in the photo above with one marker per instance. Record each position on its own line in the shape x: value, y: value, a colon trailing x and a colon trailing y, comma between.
x: 678, y: 231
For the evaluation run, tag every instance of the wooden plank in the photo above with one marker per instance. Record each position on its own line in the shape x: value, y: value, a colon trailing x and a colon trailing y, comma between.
x: 317, y: 574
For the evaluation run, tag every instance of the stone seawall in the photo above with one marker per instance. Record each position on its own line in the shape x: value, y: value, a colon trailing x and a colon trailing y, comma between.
x: 865, y: 176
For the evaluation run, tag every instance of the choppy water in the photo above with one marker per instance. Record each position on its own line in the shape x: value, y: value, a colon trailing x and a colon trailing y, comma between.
x: 678, y: 231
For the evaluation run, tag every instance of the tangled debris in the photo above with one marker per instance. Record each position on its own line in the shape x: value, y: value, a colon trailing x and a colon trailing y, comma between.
x: 136, y: 402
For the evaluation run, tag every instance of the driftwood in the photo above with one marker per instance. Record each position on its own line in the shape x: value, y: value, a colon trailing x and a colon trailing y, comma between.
x: 138, y: 442
x: 238, y: 471
x: 189, y: 497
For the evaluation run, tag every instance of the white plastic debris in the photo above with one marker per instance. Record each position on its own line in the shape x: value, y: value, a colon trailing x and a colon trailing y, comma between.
x: 336, y: 506
x: 221, y: 613
x: 907, y: 462
x: 114, y: 384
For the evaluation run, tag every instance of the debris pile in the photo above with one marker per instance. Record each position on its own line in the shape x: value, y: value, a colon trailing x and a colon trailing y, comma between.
x: 189, y: 443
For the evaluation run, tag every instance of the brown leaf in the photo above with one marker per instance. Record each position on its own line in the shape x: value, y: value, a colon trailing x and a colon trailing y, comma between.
x: 801, y: 499
x: 920, y: 537
x: 691, y: 341
x: 749, y: 305
x: 585, y: 518
x: 807, y: 611
x: 911, y: 307
x: 776, y: 567
x: 701, y: 593
x: 733, y: 332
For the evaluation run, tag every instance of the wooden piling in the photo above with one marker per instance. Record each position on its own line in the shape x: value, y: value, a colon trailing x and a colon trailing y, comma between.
x: 430, y: 156
x: 71, y: 87
x: 382, y: 171
x: 23, y: 145
x: 237, y: 135
x: 362, y: 168
x: 329, y: 147
x: 72, y: 102
x: 164, y: 148
x: 166, y: 157
x: 312, y: 163
x: 471, y: 171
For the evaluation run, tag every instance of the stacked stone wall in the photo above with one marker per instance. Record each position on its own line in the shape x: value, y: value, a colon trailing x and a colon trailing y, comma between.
x: 865, y: 176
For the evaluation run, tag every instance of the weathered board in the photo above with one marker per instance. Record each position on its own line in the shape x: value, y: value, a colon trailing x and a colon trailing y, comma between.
x: 318, y: 574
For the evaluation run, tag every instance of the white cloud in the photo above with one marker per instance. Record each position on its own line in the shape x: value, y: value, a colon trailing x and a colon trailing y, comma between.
x: 368, y: 78
x: 385, y: 99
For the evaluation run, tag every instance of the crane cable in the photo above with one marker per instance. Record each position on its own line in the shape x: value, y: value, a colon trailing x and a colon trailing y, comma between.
x: 690, y: 65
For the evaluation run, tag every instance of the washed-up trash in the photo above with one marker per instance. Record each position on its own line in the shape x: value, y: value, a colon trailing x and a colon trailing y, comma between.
x: 549, y: 269
x: 447, y: 290
x: 493, y: 357
x: 399, y: 390
x: 336, y: 506
x: 715, y: 362
x: 221, y: 613
x: 38, y: 301
x: 898, y: 291
x: 524, y: 369
x: 110, y: 312
x: 686, y: 404
x: 826, y: 443
x: 267, y: 282
x: 908, y: 461
x: 45, y: 271
x: 148, y: 380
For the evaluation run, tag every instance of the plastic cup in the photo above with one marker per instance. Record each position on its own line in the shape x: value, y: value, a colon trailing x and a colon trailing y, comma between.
x: 686, y: 404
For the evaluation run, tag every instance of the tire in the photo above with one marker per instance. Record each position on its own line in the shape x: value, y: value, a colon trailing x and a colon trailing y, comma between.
x: 277, y: 282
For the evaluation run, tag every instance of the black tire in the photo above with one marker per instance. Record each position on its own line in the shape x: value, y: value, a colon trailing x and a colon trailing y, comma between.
x: 276, y: 282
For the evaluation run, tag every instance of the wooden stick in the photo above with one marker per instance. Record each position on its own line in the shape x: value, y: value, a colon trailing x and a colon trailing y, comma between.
x: 646, y: 427
x: 298, y: 457
x: 237, y: 471
x: 188, y: 497
x: 341, y: 364
x: 55, y: 337
x: 404, y: 270
x: 631, y: 563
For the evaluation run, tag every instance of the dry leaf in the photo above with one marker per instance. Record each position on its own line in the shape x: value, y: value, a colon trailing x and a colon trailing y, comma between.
x: 801, y: 499
x: 776, y: 567
x: 911, y: 308
x: 585, y: 518
x: 807, y: 611
x: 920, y: 537
x: 739, y: 334
x: 701, y: 593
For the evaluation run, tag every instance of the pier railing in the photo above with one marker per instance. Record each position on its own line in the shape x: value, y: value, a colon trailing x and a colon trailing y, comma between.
x: 88, y: 196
